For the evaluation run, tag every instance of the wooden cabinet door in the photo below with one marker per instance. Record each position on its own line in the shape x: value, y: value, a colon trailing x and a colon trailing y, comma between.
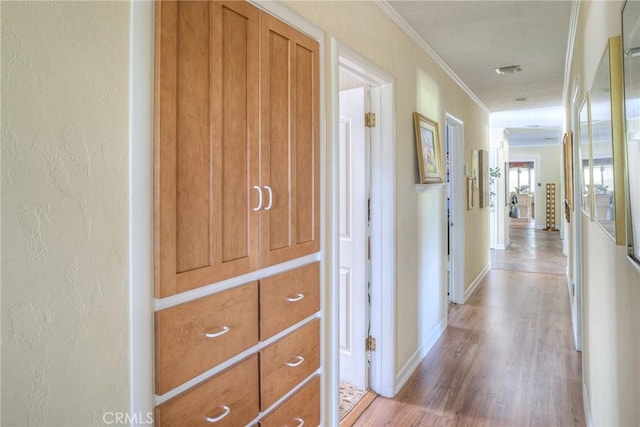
x: 206, y: 143
x: 289, y: 143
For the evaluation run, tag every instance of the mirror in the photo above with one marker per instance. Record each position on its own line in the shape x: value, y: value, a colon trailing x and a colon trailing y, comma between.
x: 631, y: 49
x: 602, y: 148
x: 607, y: 150
x: 585, y: 154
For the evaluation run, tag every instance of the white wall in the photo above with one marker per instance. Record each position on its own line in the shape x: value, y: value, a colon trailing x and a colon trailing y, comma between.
x: 64, y: 212
x: 611, y: 313
x: 420, y: 85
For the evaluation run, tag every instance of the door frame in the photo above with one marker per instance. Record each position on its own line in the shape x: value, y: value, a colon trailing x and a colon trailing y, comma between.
x: 383, y: 227
x: 456, y: 237
x: 576, y: 228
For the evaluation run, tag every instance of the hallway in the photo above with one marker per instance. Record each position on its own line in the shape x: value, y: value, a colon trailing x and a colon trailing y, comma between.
x: 507, y: 357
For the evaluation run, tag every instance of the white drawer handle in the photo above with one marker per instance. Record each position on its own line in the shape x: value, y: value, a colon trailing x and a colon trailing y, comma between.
x: 295, y: 298
x: 268, y: 207
x: 257, y: 208
x: 299, y: 420
x: 298, y: 362
x: 226, y: 412
x: 223, y: 331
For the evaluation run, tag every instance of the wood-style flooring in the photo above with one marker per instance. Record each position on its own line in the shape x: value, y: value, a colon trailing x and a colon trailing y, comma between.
x: 507, y: 357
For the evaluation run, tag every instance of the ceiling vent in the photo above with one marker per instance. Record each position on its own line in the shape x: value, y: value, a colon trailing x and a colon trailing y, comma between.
x: 508, y: 70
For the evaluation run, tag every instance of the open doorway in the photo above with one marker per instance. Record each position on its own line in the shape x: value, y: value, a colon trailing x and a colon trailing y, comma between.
x: 374, y: 205
x: 455, y: 209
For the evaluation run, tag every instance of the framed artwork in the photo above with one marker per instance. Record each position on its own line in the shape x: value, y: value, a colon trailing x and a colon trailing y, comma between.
x: 474, y: 167
x: 631, y: 66
x: 607, y: 143
x: 585, y: 157
x: 469, y: 193
x: 483, y: 179
x: 567, y: 150
x: 429, y: 149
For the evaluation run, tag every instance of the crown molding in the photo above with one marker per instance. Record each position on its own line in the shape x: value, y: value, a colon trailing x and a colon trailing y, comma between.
x: 573, y: 27
x: 413, y: 35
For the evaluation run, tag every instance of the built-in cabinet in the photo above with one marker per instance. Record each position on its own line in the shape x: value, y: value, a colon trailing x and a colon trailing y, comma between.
x: 237, y: 143
x: 236, y: 190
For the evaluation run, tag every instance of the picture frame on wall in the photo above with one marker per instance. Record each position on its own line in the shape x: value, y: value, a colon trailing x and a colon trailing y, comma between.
x: 631, y: 93
x: 483, y: 179
x: 429, y: 149
x: 567, y: 150
x: 470, y: 181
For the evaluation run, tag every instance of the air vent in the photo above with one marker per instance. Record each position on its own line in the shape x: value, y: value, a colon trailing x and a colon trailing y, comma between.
x: 508, y: 70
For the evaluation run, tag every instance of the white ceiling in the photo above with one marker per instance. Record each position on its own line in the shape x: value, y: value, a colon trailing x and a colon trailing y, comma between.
x: 473, y: 37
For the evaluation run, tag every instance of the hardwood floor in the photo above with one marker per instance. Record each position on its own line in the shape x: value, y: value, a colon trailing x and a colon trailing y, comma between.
x: 506, y: 359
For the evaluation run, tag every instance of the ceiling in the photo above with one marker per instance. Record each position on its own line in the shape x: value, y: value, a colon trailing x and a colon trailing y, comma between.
x: 474, y: 37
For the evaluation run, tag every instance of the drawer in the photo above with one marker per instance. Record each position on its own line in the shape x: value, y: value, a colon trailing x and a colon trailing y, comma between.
x: 303, y: 408
x: 196, y: 336
x: 288, y: 361
x: 287, y: 298
x: 231, y: 397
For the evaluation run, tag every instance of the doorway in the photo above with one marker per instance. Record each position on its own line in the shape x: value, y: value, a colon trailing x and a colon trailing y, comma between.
x: 377, y: 297
x: 455, y: 206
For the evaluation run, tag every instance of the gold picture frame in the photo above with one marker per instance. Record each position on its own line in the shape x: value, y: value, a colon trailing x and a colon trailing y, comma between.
x: 567, y: 150
x: 429, y: 149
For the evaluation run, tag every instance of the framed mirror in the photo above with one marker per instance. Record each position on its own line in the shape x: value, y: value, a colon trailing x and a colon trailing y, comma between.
x: 585, y: 154
x: 607, y: 145
x: 631, y: 61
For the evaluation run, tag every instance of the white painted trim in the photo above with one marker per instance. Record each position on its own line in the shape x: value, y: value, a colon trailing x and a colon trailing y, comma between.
x: 389, y: 10
x: 141, y: 89
x: 578, y: 221
x: 476, y: 282
x: 503, y: 246
x: 412, y: 364
x: 634, y: 263
x: 424, y: 188
x: 458, y: 208
x: 587, y: 406
x: 571, y: 40
x: 383, y: 227
x: 282, y: 12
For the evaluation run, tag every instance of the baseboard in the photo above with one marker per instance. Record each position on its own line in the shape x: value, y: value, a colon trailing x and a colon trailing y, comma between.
x: 413, y: 362
x: 587, y: 406
x: 474, y: 285
x: 503, y: 246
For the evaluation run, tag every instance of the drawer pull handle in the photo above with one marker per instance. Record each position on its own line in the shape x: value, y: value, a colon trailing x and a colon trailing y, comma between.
x: 219, y: 417
x: 299, y: 420
x: 295, y: 298
x: 299, y: 360
x: 257, y: 208
x: 223, y: 331
x: 268, y: 207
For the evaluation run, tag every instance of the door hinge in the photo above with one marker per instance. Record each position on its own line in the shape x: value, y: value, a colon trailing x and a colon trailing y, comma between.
x: 370, y: 120
x: 369, y: 209
x: 370, y: 343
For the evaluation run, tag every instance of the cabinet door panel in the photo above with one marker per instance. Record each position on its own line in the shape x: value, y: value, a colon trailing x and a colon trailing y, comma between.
x: 289, y: 145
x: 206, y: 143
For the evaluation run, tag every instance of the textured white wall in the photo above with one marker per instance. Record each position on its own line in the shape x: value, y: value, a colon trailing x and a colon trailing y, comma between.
x: 611, y: 314
x: 64, y: 211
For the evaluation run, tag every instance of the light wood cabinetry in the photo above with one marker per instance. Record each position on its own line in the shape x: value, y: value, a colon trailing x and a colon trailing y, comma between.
x: 196, y: 336
x: 231, y: 398
x: 303, y: 408
x: 219, y: 211
x: 288, y: 361
x: 289, y: 141
x: 237, y: 189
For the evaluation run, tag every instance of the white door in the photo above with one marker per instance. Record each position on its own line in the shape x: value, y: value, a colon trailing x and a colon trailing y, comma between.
x: 353, y: 238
